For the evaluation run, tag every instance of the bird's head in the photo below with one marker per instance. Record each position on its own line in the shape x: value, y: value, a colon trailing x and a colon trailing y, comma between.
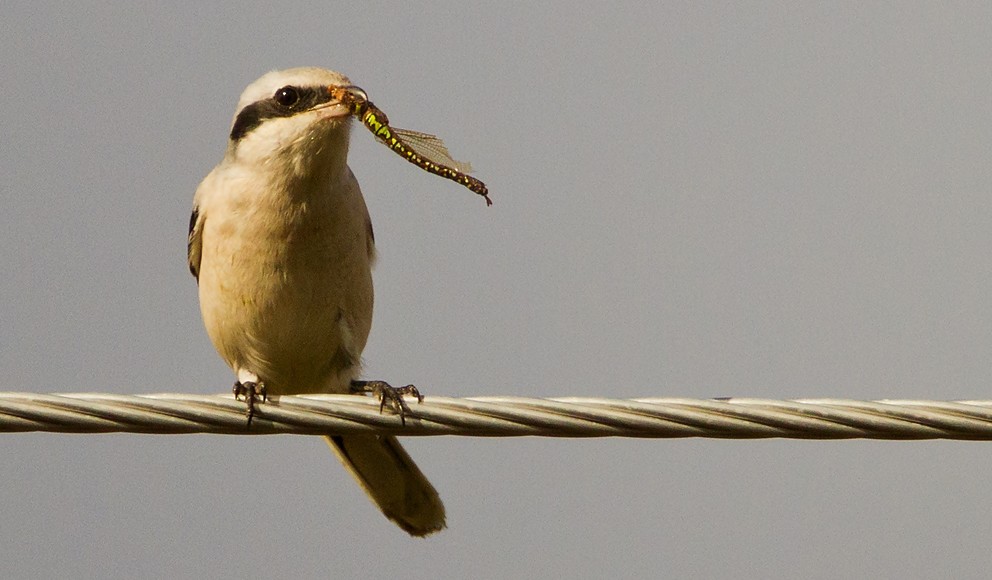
x: 290, y: 117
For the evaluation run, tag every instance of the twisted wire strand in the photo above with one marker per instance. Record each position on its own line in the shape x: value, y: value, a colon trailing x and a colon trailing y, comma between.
x: 500, y: 416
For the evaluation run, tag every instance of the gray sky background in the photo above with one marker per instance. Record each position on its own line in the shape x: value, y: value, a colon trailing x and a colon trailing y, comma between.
x: 764, y: 200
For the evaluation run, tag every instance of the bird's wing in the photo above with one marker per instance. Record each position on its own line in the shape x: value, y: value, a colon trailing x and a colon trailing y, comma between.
x: 194, y: 243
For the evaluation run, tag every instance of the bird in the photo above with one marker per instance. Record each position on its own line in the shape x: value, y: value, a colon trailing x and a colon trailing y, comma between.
x: 282, y: 248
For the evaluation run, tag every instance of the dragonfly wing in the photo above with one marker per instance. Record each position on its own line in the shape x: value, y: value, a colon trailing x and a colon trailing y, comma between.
x: 431, y: 147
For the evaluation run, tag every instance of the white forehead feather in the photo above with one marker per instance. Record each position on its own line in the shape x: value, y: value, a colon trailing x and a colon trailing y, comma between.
x: 303, y: 76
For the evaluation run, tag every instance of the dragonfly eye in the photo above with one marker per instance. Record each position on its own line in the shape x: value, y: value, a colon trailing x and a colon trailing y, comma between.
x: 287, y: 96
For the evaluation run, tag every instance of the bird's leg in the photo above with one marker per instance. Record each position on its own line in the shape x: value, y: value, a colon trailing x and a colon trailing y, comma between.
x: 252, y: 391
x: 388, y: 394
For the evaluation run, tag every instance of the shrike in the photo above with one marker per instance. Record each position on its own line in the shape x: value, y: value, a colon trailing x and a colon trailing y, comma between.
x: 281, y: 245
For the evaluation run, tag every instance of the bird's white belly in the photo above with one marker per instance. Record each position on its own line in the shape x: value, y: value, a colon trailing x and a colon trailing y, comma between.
x: 275, y: 303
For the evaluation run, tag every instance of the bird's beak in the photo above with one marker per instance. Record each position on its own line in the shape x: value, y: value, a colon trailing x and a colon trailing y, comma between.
x: 339, y: 105
x: 349, y: 93
x: 332, y: 110
x: 350, y: 96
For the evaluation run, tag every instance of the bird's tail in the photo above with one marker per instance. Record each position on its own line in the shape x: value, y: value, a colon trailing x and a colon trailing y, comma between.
x: 392, y: 480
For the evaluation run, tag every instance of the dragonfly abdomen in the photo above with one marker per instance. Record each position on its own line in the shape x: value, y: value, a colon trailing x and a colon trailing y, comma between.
x: 377, y: 122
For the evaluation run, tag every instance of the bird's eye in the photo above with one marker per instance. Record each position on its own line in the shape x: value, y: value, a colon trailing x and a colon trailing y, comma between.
x: 287, y: 96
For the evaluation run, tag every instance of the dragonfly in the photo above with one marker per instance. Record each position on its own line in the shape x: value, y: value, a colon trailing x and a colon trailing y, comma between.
x: 426, y: 151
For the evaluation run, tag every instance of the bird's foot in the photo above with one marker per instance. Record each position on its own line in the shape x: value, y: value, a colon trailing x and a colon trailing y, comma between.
x: 253, y: 392
x: 388, y: 395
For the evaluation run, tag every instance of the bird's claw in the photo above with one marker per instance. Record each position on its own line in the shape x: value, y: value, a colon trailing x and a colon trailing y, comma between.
x: 388, y: 394
x: 253, y: 392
